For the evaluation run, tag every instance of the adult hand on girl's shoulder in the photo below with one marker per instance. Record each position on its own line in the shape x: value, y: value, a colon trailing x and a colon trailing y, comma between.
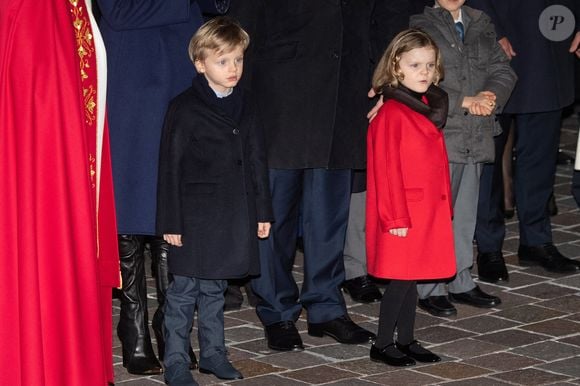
x: 506, y: 45
x: 264, y: 229
x: 174, y: 240
x: 373, y: 113
x: 401, y: 232
x: 575, y: 46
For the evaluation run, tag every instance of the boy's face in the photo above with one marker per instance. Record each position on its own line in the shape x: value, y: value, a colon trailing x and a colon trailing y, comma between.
x: 452, y: 6
x: 223, y: 70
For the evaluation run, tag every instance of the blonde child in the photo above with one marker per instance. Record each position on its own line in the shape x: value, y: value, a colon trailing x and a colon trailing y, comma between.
x: 408, y: 226
x: 213, y: 199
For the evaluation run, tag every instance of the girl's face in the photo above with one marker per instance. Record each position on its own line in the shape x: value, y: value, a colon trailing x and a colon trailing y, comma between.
x: 418, y: 68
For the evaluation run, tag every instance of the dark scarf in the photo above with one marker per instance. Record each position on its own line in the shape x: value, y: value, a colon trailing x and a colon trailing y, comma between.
x: 435, y: 111
x: 230, y: 106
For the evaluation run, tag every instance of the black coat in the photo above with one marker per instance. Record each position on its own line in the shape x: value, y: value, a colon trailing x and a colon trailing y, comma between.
x: 309, y: 66
x: 213, y: 186
x: 545, y: 68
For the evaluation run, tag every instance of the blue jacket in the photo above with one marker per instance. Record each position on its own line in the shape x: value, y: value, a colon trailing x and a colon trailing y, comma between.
x: 148, y: 65
x: 544, y: 67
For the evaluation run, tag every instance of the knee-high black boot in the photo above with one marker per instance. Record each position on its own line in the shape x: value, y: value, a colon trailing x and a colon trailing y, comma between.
x: 159, y: 249
x: 133, y: 329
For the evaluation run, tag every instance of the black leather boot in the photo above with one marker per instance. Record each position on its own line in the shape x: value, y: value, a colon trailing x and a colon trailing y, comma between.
x: 133, y: 329
x: 159, y: 250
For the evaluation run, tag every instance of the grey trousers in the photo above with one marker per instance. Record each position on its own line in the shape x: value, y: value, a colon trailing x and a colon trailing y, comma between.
x: 355, y: 256
x: 465, y: 192
x: 183, y: 295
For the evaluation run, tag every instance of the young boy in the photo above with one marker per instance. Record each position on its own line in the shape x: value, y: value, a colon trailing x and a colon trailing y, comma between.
x: 479, y: 81
x: 213, y: 197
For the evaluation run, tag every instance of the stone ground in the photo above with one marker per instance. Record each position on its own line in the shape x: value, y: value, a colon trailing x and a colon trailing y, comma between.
x: 532, y: 338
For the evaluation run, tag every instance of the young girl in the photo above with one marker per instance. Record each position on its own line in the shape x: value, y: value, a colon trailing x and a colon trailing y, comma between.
x: 409, y: 232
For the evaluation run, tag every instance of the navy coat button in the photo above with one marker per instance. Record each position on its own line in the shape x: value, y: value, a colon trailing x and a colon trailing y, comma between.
x: 235, y: 131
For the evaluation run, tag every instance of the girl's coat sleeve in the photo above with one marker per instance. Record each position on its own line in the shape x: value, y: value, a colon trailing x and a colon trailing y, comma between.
x: 385, y: 137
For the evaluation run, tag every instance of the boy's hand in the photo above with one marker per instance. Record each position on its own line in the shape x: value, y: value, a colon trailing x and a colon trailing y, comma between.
x: 174, y: 240
x: 263, y: 229
x: 401, y: 232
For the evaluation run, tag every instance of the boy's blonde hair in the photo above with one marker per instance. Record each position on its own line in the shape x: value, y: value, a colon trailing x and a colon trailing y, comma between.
x: 221, y: 34
x: 388, y: 72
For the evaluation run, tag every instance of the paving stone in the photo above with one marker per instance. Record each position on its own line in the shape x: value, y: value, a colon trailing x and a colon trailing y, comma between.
x: 319, y: 374
x: 440, y: 334
x: 269, y: 380
x: 575, y: 340
x: 569, y: 367
x: 565, y: 304
x: 454, y: 370
x: 467, y: 348
x: 244, y: 333
x: 483, y: 323
x: 530, y: 377
x: 404, y: 378
x: 480, y: 381
x: 503, y: 361
x: 294, y: 360
x: 512, y: 338
x: 253, y: 367
x: 529, y: 313
x: 341, y: 351
x: 545, y: 291
x: 548, y: 351
x: 364, y: 366
x: 554, y: 327
x: 351, y: 382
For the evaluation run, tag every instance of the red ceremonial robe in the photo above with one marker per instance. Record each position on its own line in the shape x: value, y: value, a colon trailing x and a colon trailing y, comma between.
x: 408, y: 186
x: 57, y: 221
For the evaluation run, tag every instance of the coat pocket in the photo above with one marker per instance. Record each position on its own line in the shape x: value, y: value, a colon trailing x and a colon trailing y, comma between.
x: 414, y: 194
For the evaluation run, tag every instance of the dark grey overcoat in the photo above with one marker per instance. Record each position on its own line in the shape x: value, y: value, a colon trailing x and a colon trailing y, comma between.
x: 309, y: 66
x: 213, y: 186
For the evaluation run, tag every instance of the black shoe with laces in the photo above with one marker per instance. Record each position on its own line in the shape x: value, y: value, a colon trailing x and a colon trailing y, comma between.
x: 491, y: 267
x: 547, y: 256
x: 361, y: 289
x: 283, y: 336
x: 343, y: 330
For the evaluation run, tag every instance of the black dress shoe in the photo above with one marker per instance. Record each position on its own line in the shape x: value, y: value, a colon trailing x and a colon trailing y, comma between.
x: 491, y: 267
x: 343, y: 330
x: 547, y: 256
x: 437, y: 306
x: 283, y: 336
x: 391, y: 356
x: 417, y: 352
x: 362, y: 290
x: 476, y: 298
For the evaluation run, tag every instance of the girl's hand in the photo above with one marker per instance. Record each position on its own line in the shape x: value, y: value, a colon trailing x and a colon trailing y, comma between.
x: 174, y: 240
x: 401, y: 232
x: 264, y: 229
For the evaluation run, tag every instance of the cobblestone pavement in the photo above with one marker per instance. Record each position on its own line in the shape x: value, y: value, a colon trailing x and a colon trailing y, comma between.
x: 532, y: 338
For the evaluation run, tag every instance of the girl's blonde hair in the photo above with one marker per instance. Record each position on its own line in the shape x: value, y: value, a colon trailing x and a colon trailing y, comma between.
x: 388, y: 72
x: 221, y: 34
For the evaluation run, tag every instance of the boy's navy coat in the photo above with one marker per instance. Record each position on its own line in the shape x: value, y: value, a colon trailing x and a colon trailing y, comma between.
x: 148, y: 65
x: 213, y: 187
